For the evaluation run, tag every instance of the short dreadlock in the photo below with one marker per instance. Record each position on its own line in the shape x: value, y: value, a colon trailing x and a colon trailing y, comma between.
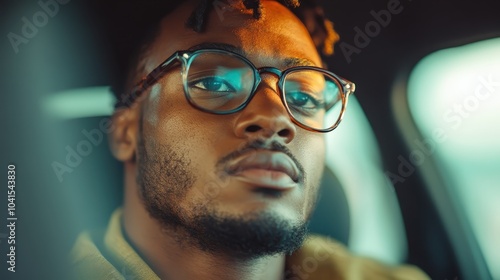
x: 146, y: 15
x: 311, y: 14
x: 198, y: 17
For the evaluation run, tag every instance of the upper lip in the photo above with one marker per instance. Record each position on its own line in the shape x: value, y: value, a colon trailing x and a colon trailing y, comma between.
x: 267, y: 160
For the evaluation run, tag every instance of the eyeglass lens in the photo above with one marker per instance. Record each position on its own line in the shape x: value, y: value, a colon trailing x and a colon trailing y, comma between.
x: 220, y: 82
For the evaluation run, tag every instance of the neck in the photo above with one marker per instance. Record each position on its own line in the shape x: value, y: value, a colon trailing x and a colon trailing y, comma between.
x: 170, y: 258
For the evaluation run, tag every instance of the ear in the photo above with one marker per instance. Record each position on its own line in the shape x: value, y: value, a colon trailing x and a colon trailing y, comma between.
x: 124, y: 137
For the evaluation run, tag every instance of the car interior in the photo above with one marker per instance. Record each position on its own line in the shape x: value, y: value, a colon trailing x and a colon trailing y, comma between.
x: 411, y: 174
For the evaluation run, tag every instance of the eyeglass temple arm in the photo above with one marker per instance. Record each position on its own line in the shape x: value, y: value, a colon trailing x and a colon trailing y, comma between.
x: 147, y: 81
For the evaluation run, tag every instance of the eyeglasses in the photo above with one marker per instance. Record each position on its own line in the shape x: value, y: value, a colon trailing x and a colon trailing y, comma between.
x: 223, y: 82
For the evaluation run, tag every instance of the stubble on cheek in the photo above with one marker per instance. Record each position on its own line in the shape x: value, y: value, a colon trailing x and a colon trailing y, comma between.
x: 164, y: 178
x: 312, y: 154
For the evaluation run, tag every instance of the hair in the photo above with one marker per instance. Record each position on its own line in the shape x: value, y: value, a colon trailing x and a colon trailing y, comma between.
x: 142, y: 27
x: 197, y: 19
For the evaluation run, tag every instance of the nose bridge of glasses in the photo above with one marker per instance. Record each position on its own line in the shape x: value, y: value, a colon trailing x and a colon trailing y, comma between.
x: 269, y: 70
x: 265, y: 91
x: 272, y: 70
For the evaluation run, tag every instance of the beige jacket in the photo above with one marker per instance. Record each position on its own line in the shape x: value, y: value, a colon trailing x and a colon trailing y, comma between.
x: 109, y: 256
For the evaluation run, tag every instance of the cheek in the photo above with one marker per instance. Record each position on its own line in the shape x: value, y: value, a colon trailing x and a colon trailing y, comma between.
x: 172, y: 119
x: 309, y: 148
x: 189, y: 136
x: 201, y: 138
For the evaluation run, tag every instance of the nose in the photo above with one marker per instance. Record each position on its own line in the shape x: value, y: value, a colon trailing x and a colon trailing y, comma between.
x: 265, y: 116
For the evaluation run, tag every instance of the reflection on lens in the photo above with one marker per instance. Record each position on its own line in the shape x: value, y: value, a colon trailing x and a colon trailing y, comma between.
x: 218, y: 81
x: 309, y: 94
x: 221, y: 82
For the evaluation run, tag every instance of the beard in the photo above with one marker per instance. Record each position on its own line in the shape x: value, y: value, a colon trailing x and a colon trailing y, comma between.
x: 165, y: 176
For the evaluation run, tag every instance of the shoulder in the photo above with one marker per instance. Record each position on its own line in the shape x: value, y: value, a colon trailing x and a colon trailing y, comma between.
x: 324, y: 258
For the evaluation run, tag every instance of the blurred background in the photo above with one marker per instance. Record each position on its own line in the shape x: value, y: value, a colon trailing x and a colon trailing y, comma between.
x: 413, y: 171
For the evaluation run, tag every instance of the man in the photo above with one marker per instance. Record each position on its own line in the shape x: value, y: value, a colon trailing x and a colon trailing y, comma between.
x: 223, y: 149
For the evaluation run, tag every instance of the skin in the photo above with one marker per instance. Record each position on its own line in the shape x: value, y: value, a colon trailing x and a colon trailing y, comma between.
x: 163, y: 134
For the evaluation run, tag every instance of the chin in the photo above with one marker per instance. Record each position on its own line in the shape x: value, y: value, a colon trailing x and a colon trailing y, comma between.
x: 251, y: 235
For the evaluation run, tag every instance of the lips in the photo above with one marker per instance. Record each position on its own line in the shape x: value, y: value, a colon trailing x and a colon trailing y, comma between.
x: 266, y: 169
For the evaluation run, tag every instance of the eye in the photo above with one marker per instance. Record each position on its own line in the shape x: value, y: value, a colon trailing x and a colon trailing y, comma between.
x: 303, y: 102
x: 213, y: 84
x: 302, y: 99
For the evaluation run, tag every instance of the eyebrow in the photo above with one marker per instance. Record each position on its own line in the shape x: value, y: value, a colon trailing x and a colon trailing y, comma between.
x: 287, y: 62
x: 295, y: 61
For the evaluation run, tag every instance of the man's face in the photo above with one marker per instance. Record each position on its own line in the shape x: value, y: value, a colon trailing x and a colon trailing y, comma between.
x: 243, y: 183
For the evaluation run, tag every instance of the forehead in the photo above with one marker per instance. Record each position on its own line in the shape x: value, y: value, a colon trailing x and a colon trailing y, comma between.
x: 278, y: 35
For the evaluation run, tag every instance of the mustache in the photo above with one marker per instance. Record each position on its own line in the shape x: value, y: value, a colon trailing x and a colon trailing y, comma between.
x: 260, y: 144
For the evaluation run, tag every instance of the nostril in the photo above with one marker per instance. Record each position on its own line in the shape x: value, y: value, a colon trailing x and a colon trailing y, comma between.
x: 284, y: 133
x: 253, y: 128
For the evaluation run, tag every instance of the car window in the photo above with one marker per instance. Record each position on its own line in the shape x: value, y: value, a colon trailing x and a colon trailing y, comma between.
x: 453, y: 97
x: 353, y: 154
